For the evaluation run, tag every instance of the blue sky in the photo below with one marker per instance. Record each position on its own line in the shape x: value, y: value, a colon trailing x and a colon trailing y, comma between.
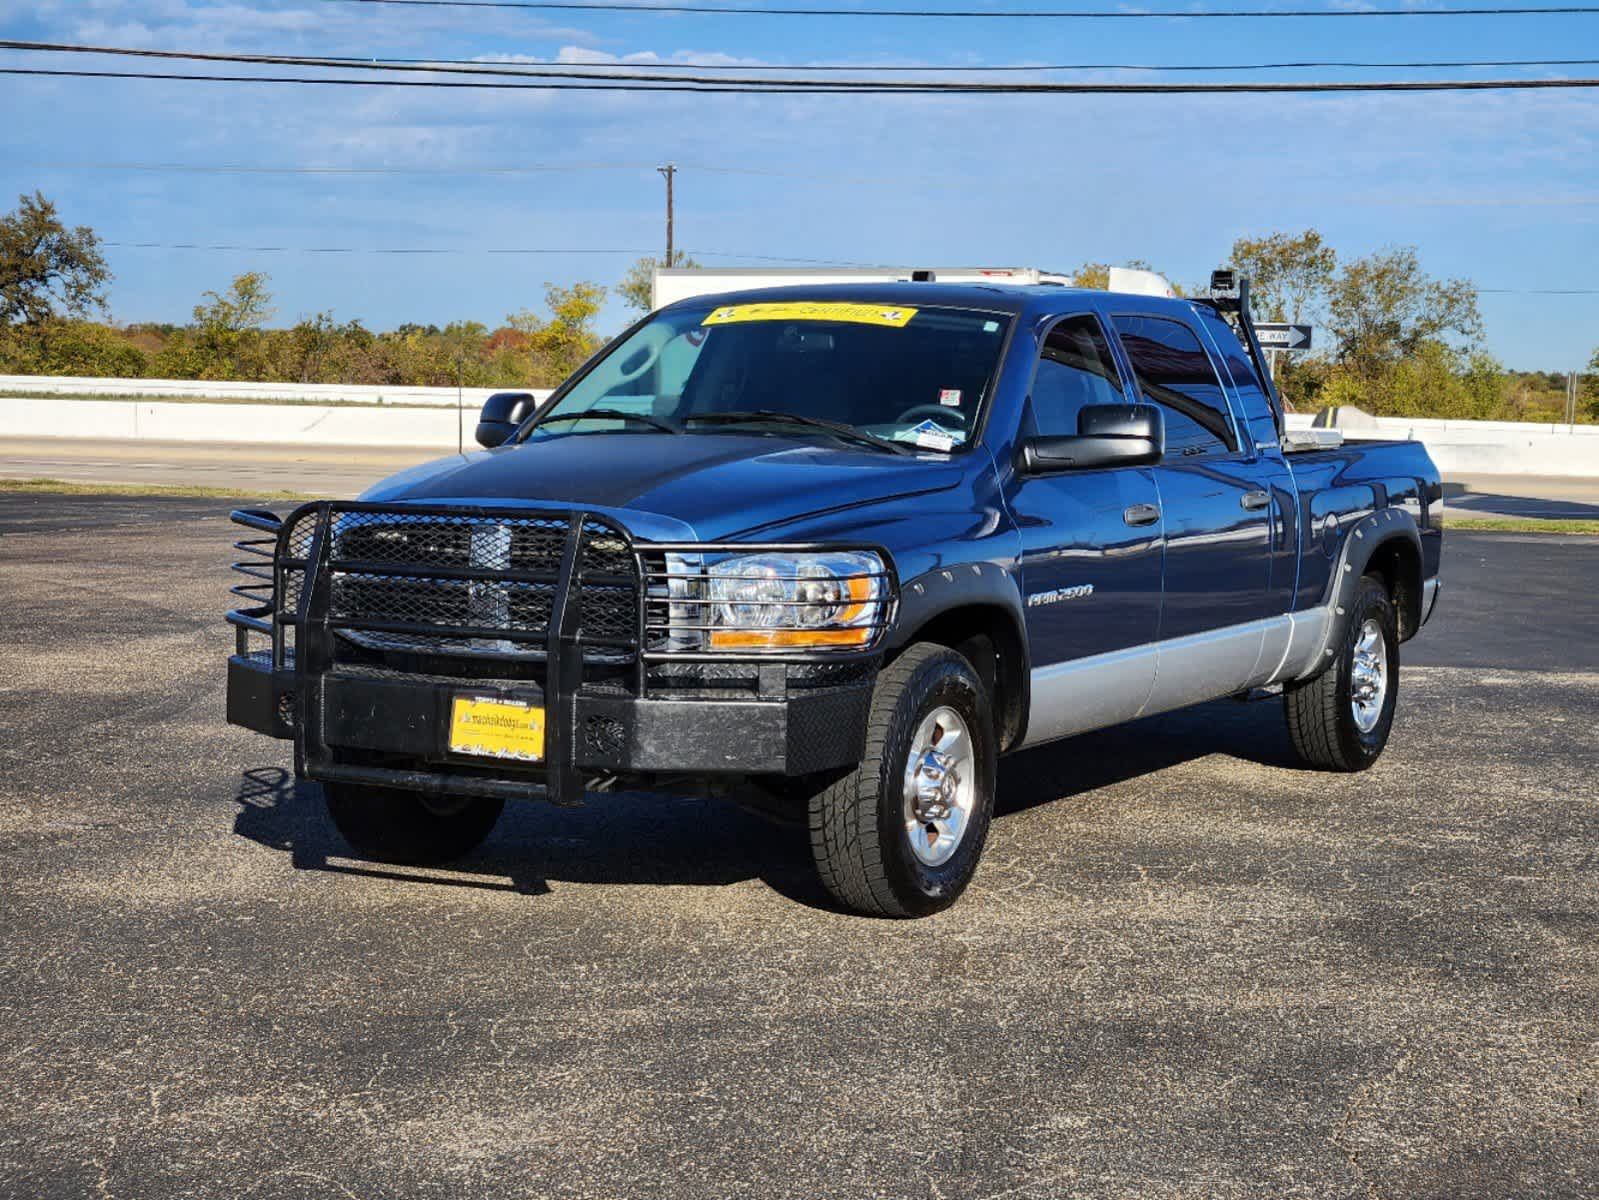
x: 1500, y: 187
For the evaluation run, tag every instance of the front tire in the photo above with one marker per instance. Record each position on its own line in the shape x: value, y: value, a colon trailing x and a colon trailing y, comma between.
x: 901, y: 834
x: 396, y: 826
x: 1340, y: 720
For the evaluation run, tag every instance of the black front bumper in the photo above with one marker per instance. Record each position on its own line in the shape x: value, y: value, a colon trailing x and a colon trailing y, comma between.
x: 368, y: 655
x: 395, y: 731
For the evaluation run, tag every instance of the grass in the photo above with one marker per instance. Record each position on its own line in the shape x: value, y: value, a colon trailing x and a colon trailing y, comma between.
x: 1519, y: 525
x: 62, y: 487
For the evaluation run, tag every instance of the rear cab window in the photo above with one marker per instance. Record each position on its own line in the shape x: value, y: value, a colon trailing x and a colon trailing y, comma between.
x: 1254, y: 407
x: 1174, y: 372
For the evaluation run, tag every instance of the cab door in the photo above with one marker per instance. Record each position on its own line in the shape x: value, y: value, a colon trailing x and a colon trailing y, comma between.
x: 1216, y: 500
x: 1091, y: 551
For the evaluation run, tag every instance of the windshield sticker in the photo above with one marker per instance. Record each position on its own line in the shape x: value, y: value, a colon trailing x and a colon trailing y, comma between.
x: 930, y: 435
x: 810, y: 310
x: 950, y: 397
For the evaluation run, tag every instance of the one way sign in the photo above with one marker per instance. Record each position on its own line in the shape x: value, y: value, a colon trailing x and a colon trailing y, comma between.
x: 1283, y: 337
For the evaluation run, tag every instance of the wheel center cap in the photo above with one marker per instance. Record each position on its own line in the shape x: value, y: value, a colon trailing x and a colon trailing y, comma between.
x: 937, y: 782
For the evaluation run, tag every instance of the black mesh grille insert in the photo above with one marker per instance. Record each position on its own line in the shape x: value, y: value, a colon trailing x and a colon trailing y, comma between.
x: 476, y: 579
x: 421, y: 543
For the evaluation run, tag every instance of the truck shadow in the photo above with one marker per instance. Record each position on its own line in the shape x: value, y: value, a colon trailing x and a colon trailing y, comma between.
x: 660, y: 839
x: 1253, y: 732
x: 620, y: 838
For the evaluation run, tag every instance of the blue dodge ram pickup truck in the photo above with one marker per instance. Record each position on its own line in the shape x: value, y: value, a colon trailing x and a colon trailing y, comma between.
x: 846, y: 545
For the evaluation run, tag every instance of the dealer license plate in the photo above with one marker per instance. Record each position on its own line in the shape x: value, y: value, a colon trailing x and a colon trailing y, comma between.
x: 497, y: 728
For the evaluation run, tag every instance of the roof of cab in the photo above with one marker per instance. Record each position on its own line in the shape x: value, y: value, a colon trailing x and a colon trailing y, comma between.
x: 1043, y: 299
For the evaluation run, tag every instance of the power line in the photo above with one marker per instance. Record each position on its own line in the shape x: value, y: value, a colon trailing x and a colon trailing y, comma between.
x: 249, y: 169
x: 803, y: 87
x: 625, y: 72
x: 975, y: 69
x: 232, y: 247
x: 458, y: 171
x: 647, y: 6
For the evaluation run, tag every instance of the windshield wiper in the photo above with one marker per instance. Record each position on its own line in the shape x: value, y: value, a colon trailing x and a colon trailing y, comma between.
x: 838, y: 429
x: 609, y: 414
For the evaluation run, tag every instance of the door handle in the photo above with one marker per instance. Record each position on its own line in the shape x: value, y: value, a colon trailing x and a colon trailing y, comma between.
x: 1141, y: 514
x: 1255, y: 499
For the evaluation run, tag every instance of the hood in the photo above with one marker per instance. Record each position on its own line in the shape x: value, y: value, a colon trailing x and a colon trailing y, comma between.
x: 718, y: 484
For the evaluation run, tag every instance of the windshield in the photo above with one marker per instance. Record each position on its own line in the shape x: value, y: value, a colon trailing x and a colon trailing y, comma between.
x: 916, y: 378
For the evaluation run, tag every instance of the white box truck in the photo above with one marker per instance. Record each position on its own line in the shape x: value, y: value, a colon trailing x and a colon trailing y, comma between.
x: 671, y: 284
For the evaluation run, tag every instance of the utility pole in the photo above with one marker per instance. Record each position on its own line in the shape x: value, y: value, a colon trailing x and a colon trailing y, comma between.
x: 669, y: 170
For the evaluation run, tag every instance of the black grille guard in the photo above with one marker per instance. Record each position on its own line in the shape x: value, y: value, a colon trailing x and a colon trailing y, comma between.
x: 290, y: 589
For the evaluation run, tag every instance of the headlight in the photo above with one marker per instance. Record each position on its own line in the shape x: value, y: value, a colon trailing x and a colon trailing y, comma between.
x: 829, y: 598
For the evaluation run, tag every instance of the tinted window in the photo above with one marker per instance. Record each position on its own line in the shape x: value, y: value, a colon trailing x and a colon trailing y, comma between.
x: 1174, y: 372
x: 1234, y: 357
x: 1252, y: 400
x: 1074, y: 369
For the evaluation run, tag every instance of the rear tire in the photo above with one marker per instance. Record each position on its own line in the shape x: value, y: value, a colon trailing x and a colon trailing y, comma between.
x: 1340, y: 720
x: 930, y: 753
x: 397, y: 826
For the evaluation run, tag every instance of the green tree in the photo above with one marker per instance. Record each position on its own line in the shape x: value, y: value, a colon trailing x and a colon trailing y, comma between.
x: 458, y: 349
x: 1384, y: 308
x: 560, y: 343
x: 84, y: 348
x: 636, y: 284
x: 227, y: 340
x: 1289, y: 274
x: 321, y: 350
x: 1590, y: 386
x: 1437, y: 380
x: 46, y: 269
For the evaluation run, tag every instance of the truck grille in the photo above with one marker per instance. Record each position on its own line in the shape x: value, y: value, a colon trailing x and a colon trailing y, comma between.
x: 466, y: 584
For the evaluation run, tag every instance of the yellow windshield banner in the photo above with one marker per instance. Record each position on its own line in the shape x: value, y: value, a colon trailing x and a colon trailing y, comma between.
x: 812, y: 310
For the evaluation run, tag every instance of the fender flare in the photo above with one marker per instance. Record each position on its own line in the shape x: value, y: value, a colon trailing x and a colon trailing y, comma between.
x: 925, y: 597
x: 1361, y: 543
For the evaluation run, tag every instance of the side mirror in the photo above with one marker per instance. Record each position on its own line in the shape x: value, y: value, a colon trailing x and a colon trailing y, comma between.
x: 502, y: 413
x: 1108, y: 435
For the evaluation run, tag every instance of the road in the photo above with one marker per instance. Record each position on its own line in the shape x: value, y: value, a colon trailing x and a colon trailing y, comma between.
x: 252, y: 467
x: 346, y: 471
x: 1186, y: 968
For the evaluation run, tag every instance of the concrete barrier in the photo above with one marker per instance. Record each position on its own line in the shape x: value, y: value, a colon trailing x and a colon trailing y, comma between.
x: 200, y: 389
x: 276, y: 424
x: 1458, y: 447
x: 1484, y: 447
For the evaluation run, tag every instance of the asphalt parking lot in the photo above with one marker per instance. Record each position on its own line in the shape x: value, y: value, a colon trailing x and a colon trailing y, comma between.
x: 1186, y: 968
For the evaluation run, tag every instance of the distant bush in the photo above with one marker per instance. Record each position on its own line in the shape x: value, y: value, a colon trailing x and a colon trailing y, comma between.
x: 229, y: 339
x: 66, y: 347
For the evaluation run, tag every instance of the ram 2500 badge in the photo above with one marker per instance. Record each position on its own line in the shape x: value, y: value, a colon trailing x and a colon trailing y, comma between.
x: 846, y: 544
